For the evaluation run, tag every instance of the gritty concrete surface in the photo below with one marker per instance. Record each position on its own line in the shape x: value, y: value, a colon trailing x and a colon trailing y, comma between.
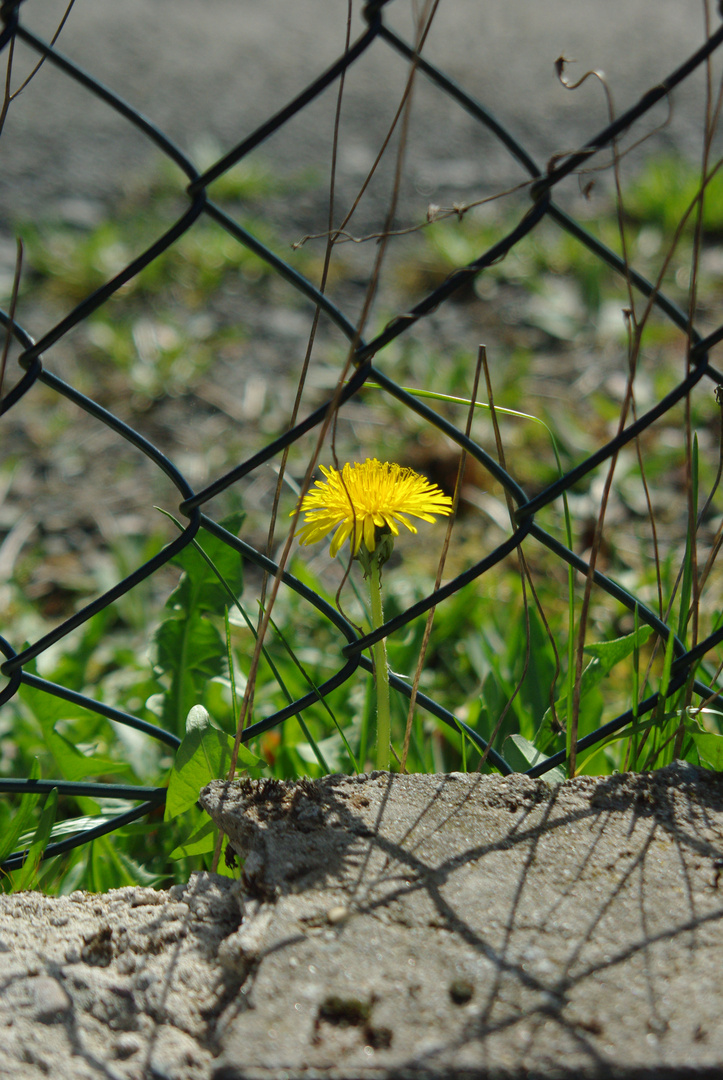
x: 411, y: 926
x: 119, y: 985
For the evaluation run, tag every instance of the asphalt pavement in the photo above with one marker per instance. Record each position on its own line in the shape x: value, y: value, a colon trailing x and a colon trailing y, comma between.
x: 210, y: 73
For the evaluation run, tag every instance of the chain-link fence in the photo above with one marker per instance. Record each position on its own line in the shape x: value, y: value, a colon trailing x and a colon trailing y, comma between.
x: 366, y: 366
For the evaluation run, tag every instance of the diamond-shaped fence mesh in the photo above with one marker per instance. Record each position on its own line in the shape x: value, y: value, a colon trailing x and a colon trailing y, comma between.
x: 363, y: 365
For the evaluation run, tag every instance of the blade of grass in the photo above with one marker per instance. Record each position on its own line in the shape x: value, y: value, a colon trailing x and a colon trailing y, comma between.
x: 283, y: 687
x: 686, y: 587
x: 312, y: 686
x: 27, y: 875
x: 660, y: 714
x: 20, y: 822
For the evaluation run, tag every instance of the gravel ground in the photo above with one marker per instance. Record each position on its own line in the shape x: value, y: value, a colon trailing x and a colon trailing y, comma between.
x: 218, y: 69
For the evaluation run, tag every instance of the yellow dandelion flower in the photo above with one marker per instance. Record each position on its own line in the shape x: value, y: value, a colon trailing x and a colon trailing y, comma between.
x: 365, y: 501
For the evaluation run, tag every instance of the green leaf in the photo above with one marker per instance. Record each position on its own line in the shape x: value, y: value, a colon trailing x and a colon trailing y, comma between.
x: 76, y: 766
x: 187, y: 646
x: 21, y: 821
x: 521, y: 754
x: 686, y: 586
x: 541, y: 667
x: 200, y: 589
x: 204, y: 755
x: 108, y: 867
x: 709, y: 747
x: 605, y: 655
x: 73, y: 765
x: 192, y: 651
x: 610, y: 653
x: 72, y: 826
x: 202, y: 841
x: 26, y: 876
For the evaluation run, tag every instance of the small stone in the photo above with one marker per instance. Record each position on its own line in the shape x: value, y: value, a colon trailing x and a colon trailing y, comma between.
x: 337, y: 915
x: 73, y: 953
x: 176, y: 1056
x: 50, y: 1001
x: 126, y: 1045
x: 461, y: 991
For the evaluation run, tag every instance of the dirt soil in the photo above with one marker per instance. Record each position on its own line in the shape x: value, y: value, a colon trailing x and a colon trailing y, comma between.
x: 418, y: 926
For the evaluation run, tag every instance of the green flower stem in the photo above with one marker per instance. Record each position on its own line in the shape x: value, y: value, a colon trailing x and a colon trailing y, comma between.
x: 381, y: 668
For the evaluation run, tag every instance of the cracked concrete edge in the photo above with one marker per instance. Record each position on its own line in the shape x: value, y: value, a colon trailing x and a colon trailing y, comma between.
x: 395, y: 926
x: 479, y: 926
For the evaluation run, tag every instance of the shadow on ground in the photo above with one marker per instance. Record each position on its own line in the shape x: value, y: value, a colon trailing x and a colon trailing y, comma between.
x: 407, y: 926
x: 454, y: 924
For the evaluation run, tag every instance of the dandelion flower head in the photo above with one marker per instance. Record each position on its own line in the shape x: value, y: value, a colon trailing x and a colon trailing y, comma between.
x: 365, y: 501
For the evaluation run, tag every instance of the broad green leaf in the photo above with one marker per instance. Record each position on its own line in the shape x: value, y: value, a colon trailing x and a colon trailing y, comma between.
x: 709, y: 747
x: 192, y: 651
x: 200, y: 589
x: 21, y: 821
x: 76, y: 766
x: 73, y: 765
x: 521, y: 754
x: 71, y: 827
x: 605, y: 655
x: 26, y: 876
x: 204, y: 755
x: 47, y: 709
x: 202, y: 841
x: 610, y: 653
x: 192, y: 643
